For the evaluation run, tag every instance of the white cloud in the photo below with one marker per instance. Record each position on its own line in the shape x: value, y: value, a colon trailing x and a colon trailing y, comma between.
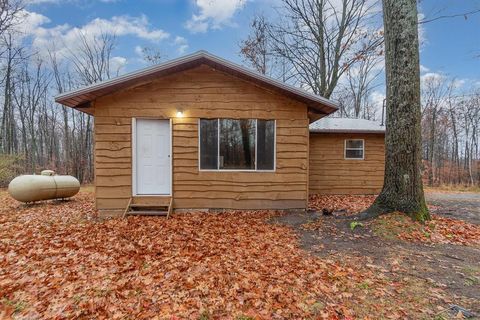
x: 424, y: 69
x: 124, y: 25
x: 42, y: 1
x: 27, y: 22
x: 182, y: 44
x: 139, y: 51
x: 458, y: 83
x: 422, y: 34
x: 118, y: 63
x: 432, y: 77
x: 213, y: 14
x: 377, y: 98
x: 35, y: 2
x: 65, y: 38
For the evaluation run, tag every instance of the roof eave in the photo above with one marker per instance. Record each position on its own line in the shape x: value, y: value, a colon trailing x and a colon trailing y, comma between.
x: 346, y: 131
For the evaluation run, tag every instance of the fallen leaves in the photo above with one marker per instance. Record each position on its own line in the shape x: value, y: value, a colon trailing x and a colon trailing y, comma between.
x: 344, y: 204
x: 58, y: 262
x: 438, y: 230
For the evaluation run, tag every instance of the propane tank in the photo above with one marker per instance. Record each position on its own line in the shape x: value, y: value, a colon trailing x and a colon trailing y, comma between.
x: 46, y: 186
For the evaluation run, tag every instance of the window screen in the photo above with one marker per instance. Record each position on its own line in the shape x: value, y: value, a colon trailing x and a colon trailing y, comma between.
x: 354, y: 149
x: 237, y: 144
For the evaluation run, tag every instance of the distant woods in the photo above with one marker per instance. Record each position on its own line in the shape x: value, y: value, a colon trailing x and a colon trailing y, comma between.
x: 450, y: 132
x: 336, y: 49
x: 35, y: 132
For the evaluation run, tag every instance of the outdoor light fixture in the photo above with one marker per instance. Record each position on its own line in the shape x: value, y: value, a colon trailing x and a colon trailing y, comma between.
x: 179, y: 113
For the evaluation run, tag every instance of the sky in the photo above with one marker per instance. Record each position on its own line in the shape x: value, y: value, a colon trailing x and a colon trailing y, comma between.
x: 450, y: 47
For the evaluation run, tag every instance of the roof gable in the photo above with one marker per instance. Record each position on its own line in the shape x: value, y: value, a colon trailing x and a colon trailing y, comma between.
x: 82, y: 97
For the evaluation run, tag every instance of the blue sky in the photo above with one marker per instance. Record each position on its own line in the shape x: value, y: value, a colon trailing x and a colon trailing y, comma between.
x: 452, y: 45
x: 176, y: 27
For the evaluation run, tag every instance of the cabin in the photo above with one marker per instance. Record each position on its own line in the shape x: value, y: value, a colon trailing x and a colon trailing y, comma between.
x: 347, y: 156
x: 200, y: 132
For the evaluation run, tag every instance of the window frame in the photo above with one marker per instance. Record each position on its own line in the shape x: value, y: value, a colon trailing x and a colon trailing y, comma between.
x: 345, y: 149
x: 256, y: 144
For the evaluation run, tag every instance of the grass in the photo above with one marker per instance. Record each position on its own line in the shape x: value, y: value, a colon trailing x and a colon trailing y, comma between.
x: 18, y: 306
x: 438, y: 230
x: 204, y: 315
x: 355, y: 224
x: 395, y: 225
x: 472, y: 275
x: 244, y: 318
x: 87, y: 188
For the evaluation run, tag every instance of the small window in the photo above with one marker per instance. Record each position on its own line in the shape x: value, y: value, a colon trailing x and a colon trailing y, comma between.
x: 237, y: 144
x: 354, y: 149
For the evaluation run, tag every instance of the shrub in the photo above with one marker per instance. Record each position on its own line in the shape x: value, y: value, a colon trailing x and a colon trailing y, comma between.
x: 10, y: 166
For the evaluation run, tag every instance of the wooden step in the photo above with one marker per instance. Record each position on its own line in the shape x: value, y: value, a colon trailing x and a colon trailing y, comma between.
x: 152, y: 207
x: 148, y: 206
x: 147, y: 213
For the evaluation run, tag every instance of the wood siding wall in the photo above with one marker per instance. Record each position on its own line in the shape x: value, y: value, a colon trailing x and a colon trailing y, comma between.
x: 202, y: 93
x: 331, y: 173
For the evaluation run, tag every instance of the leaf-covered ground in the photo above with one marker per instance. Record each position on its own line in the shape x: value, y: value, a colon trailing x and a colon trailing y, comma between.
x: 439, y: 259
x: 340, y: 204
x: 57, y: 261
x: 439, y: 230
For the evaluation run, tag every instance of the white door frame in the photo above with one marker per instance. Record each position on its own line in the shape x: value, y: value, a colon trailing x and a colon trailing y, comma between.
x: 134, y: 158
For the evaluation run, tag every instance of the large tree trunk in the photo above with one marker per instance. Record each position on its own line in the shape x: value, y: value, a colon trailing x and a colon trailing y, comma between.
x: 402, y: 190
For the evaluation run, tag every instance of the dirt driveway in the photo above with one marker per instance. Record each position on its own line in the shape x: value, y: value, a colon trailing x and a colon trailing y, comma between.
x: 456, y: 205
x: 452, y: 270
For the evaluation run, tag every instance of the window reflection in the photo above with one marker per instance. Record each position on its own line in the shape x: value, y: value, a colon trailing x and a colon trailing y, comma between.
x: 237, y: 144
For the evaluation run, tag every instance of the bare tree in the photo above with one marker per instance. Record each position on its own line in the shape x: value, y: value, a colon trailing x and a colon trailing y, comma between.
x: 152, y: 55
x: 403, y: 189
x: 63, y: 82
x: 434, y: 93
x: 361, y: 77
x: 320, y: 39
x: 255, y: 48
x: 12, y: 56
x: 9, y: 14
x: 29, y: 97
x: 354, y: 97
x: 91, y: 60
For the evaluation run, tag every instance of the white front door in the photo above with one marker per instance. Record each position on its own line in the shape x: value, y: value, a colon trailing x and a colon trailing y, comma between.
x: 152, y: 157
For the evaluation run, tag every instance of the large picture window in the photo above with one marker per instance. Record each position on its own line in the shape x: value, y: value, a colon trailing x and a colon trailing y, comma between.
x: 237, y: 144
